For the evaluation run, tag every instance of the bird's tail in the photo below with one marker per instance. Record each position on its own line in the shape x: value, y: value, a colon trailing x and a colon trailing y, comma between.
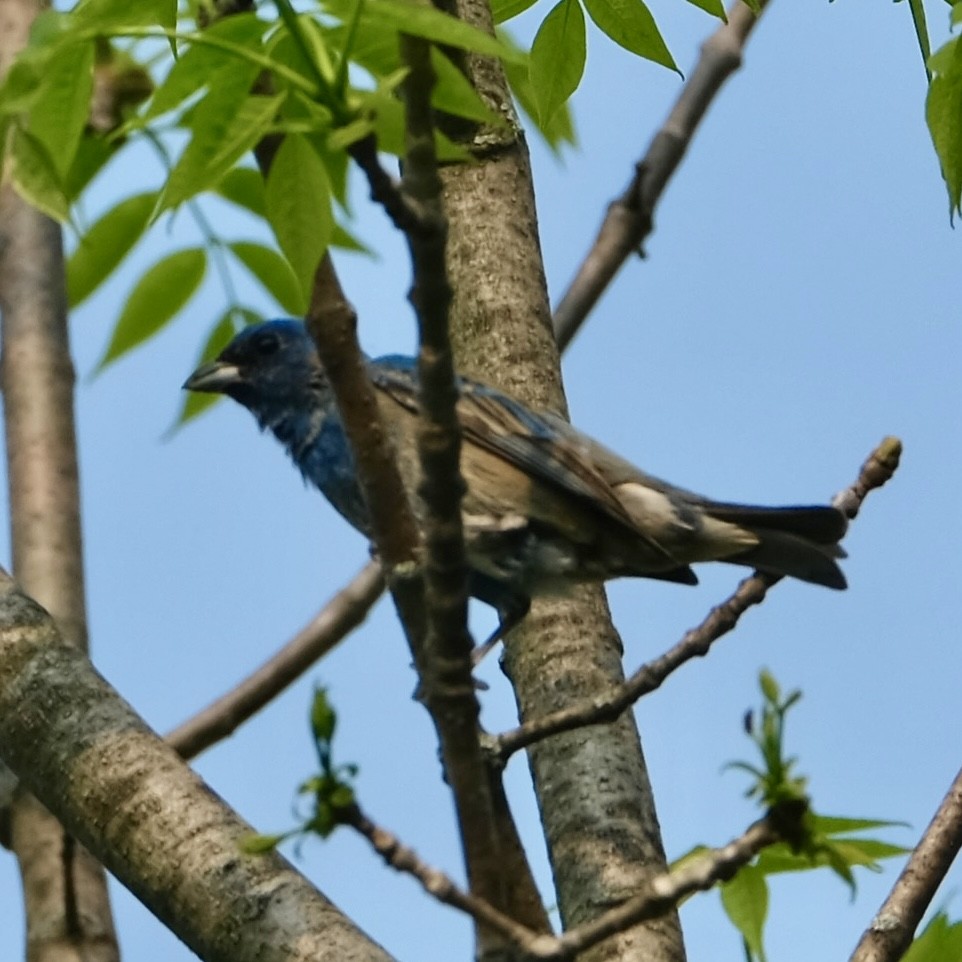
x: 801, y: 542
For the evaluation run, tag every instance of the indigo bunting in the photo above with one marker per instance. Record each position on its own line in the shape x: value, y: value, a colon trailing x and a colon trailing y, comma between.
x: 546, y: 506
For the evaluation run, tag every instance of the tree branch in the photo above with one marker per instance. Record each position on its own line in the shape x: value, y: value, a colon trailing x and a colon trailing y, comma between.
x: 892, y: 929
x: 435, y: 882
x: 658, y: 895
x: 127, y: 796
x: 663, y: 892
x: 65, y: 892
x: 876, y: 471
x: 630, y: 217
x: 344, y: 612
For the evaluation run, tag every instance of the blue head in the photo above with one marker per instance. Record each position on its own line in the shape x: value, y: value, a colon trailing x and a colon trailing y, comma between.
x: 270, y: 368
x: 274, y: 371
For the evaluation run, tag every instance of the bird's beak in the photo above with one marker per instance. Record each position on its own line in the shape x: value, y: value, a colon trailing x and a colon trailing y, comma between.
x: 214, y: 376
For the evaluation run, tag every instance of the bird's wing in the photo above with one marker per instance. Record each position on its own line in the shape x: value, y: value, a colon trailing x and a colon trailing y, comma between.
x: 544, y: 446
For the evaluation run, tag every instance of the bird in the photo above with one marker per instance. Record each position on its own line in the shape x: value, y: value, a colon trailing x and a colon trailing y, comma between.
x: 546, y: 506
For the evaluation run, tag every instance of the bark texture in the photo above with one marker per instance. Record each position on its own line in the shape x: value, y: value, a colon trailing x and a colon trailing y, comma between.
x: 593, y: 790
x: 131, y: 800
x: 65, y: 891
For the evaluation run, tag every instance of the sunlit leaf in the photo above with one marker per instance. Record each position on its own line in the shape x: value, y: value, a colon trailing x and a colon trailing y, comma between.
x: 344, y: 239
x: 558, y: 130
x: 745, y: 899
x: 59, y: 114
x: 323, y: 716
x: 35, y: 176
x: 203, y: 65
x: 224, y: 130
x: 630, y: 24
x: 834, y: 824
x: 423, y: 20
x: 261, y: 844
x: 299, y: 207
x: 715, y: 7
x: 940, y: 941
x: 115, y: 13
x: 274, y: 273
x: 92, y: 154
x: 502, y: 10
x: 106, y: 244
x: 244, y: 186
x: 156, y: 298
x: 943, y: 111
x: 454, y: 94
x: 557, y: 57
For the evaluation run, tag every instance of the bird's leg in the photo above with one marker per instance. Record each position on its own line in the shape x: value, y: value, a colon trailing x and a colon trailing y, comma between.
x: 511, y: 611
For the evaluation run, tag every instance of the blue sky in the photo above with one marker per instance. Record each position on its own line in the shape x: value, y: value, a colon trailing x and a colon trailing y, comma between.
x: 796, y: 306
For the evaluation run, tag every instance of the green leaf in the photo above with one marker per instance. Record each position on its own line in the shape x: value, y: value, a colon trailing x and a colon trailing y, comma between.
x: 502, y: 10
x: 384, y: 113
x: 745, y: 899
x: 224, y: 129
x: 274, y: 273
x: 59, y: 114
x: 943, y: 112
x: 21, y: 87
x: 558, y: 130
x: 424, y: 21
x: 835, y: 824
x: 715, y: 7
x: 940, y: 941
x: 344, y: 239
x: 202, y: 65
x: 156, y: 298
x: 630, y: 24
x: 557, y: 57
x: 92, y: 154
x: 454, y: 94
x: 114, y: 13
x: 196, y: 402
x: 769, y: 686
x: 323, y: 716
x: 106, y: 244
x: 261, y: 844
x: 244, y: 186
x: 299, y: 207
x: 341, y: 797
x: 35, y: 177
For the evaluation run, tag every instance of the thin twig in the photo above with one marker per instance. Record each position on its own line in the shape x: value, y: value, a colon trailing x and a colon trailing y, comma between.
x: 630, y: 217
x: 877, y: 469
x: 435, y: 882
x: 608, y: 706
x: 658, y: 896
x: 386, y: 190
x: 448, y: 690
x: 891, y: 931
x: 664, y: 892
x: 344, y: 612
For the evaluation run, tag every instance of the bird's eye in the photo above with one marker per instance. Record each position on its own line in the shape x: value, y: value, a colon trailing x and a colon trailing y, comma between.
x: 267, y: 343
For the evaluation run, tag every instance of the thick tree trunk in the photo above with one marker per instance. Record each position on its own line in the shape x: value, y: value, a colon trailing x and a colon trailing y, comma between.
x: 596, y: 802
x: 131, y: 799
x: 65, y: 890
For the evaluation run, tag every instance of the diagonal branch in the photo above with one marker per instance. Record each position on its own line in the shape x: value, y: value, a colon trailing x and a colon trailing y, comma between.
x: 630, y: 217
x: 876, y: 471
x: 128, y: 797
x: 657, y: 896
x: 344, y: 612
x: 891, y: 931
